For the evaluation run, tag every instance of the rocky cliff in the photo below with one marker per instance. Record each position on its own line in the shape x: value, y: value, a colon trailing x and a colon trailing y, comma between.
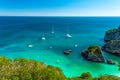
x: 112, y: 44
x: 113, y: 47
x: 113, y: 34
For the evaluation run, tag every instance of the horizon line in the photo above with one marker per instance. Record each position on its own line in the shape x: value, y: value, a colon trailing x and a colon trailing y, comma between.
x: 52, y: 16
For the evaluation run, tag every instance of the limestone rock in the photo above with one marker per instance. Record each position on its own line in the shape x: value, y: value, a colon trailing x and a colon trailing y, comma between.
x: 94, y: 53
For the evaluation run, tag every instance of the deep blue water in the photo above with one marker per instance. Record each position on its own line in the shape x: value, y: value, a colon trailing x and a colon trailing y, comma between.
x: 16, y: 33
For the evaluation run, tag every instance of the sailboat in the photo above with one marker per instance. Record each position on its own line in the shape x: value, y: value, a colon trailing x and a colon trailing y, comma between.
x: 43, y: 37
x: 68, y: 35
x: 52, y: 30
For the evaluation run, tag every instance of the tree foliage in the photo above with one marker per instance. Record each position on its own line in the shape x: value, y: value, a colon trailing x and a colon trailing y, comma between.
x: 23, y: 69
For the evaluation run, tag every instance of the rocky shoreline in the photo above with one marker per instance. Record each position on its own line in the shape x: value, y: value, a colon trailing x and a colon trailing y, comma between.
x: 112, y: 34
x: 112, y: 41
x: 95, y: 54
x: 112, y: 45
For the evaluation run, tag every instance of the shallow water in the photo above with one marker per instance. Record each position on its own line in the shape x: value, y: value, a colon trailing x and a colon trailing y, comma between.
x: 16, y: 33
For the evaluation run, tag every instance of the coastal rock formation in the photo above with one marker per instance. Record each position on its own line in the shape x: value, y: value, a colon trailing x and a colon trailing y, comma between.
x: 113, y: 47
x: 94, y: 53
x: 110, y: 61
x: 67, y: 52
x: 113, y: 34
x: 112, y: 38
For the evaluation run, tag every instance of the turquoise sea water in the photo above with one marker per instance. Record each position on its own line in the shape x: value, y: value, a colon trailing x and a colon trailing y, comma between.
x: 16, y: 33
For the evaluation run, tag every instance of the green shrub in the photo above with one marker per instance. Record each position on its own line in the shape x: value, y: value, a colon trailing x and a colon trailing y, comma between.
x: 119, y: 66
x: 94, y: 49
x: 86, y: 76
x: 112, y: 31
x: 23, y: 69
x: 108, y: 77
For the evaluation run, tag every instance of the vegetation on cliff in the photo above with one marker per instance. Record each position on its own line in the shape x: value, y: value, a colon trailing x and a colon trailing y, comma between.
x: 111, y: 30
x: 114, y: 42
x: 23, y: 69
x: 94, y: 49
x: 113, y: 34
x: 119, y: 65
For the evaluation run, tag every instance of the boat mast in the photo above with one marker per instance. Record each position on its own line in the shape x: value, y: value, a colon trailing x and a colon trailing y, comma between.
x: 52, y: 30
x: 43, y: 37
x: 67, y: 29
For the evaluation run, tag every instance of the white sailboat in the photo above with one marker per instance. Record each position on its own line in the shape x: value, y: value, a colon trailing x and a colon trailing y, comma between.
x: 52, y: 30
x: 43, y: 37
x: 68, y: 35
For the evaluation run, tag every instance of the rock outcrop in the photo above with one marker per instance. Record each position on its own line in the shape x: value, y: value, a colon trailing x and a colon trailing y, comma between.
x: 113, y: 34
x: 94, y: 53
x: 112, y: 47
x: 112, y: 44
x: 110, y: 61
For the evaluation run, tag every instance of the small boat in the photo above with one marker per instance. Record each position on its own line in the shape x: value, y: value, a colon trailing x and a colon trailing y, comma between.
x: 68, y: 35
x: 43, y: 37
x: 67, y: 52
x: 76, y: 45
x: 50, y: 47
x: 57, y: 61
x: 52, y: 30
x: 30, y: 46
